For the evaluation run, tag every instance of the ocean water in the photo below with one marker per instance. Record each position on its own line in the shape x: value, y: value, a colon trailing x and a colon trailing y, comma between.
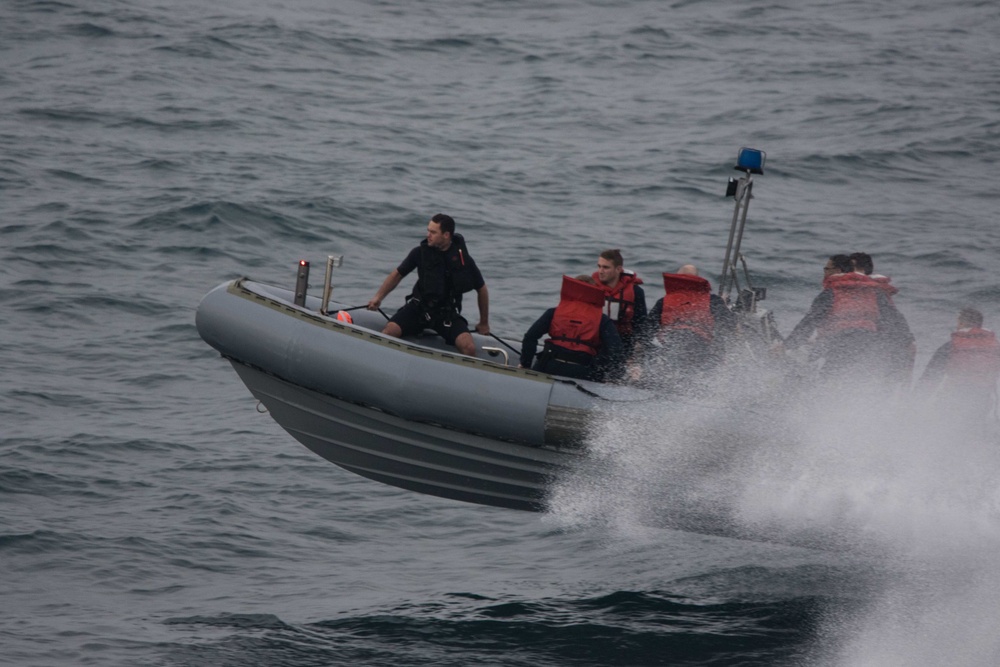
x: 151, y: 150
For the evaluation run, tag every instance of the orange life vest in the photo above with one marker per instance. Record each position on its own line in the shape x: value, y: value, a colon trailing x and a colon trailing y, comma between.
x: 622, y: 294
x: 687, y: 304
x: 576, y: 324
x: 855, y: 303
x: 975, y: 356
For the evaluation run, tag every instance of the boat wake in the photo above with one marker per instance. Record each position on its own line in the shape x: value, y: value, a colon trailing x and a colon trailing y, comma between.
x: 848, y: 469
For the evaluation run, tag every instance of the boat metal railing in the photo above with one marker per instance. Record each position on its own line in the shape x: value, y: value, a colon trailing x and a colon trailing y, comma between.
x: 494, y: 351
x: 332, y: 262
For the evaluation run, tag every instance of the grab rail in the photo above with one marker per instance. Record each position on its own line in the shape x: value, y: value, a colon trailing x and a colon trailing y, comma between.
x: 494, y: 351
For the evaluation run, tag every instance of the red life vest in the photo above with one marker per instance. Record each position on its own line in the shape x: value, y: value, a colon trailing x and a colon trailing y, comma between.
x: 975, y: 356
x: 576, y: 324
x: 855, y: 303
x: 687, y: 304
x: 622, y: 294
x: 885, y: 283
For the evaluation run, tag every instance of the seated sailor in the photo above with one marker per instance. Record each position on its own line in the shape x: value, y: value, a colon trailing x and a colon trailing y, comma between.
x: 690, y: 323
x: 899, y: 347
x: 963, y: 373
x: 850, y: 318
x: 625, y: 301
x: 583, y: 342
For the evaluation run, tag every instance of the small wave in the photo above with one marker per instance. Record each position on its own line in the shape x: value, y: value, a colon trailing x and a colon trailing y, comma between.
x: 34, y: 542
x: 623, y: 627
x: 73, y: 176
x: 226, y: 223
x: 241, y: 621
x: 211, y: 47
x: 46, y: 6
x: 89, y: 30
x: 182, y: 125
x: 23, y: 481
x: 52, y: 399
x: 72, y: 115
x: 159, y: 164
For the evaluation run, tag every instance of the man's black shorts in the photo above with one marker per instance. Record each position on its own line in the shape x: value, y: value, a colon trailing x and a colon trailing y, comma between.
x: 412, y: 320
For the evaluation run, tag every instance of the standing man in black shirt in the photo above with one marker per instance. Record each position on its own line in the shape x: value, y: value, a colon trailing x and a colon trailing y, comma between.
x: 445, y: 271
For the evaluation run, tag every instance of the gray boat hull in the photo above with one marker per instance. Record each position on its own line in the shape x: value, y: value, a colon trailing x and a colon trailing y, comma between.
x: 418, y: 457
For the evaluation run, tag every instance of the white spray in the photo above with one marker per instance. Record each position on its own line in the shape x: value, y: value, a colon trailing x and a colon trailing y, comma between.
x: 844, y: 467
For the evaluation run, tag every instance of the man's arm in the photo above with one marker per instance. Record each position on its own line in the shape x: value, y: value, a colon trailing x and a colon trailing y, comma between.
x: 529, y: 344
x: 610, y: 360
x: 389, y: 284
x: 820, y: 307
x: 483, y: 297
x: 935, y: 367
x: 891, y: 321
x: 640, y: 313
x: 410, y: 263
x: 652, y: 323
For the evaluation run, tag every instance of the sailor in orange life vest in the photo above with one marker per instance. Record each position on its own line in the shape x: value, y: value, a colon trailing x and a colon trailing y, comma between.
x: 624, y: 300
x: 965, y: 370
x: 851, y: 317
x: 583, y: 342
x: 691, y: 322
x: 445, y: 271
x: 900, y: 353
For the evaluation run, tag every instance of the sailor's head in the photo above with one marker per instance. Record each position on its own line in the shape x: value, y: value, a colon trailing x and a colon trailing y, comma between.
x: 862, y: 262
x: 688, y: 270
x: 970, y: 318
x: 837, y: 264
x: 610, y: 266
x: 440, y: 229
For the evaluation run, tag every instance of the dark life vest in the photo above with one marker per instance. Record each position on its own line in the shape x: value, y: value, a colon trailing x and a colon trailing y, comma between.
x: 855, y: 304
x: 576, y: 323
x: 620, y: 301
x: 975, y: 357
x: 687, y: 304
x: 443, y: 277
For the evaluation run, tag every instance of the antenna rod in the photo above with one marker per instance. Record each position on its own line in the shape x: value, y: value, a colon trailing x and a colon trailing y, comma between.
x: 723, y: 290
x: 747, y: 196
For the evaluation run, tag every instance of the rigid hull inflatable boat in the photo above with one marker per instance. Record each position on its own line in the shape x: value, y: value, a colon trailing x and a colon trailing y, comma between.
x: 412, y: 413
x: 416, y: 414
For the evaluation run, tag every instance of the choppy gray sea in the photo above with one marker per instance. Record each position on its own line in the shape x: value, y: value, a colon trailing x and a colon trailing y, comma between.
x: 150, y: 150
